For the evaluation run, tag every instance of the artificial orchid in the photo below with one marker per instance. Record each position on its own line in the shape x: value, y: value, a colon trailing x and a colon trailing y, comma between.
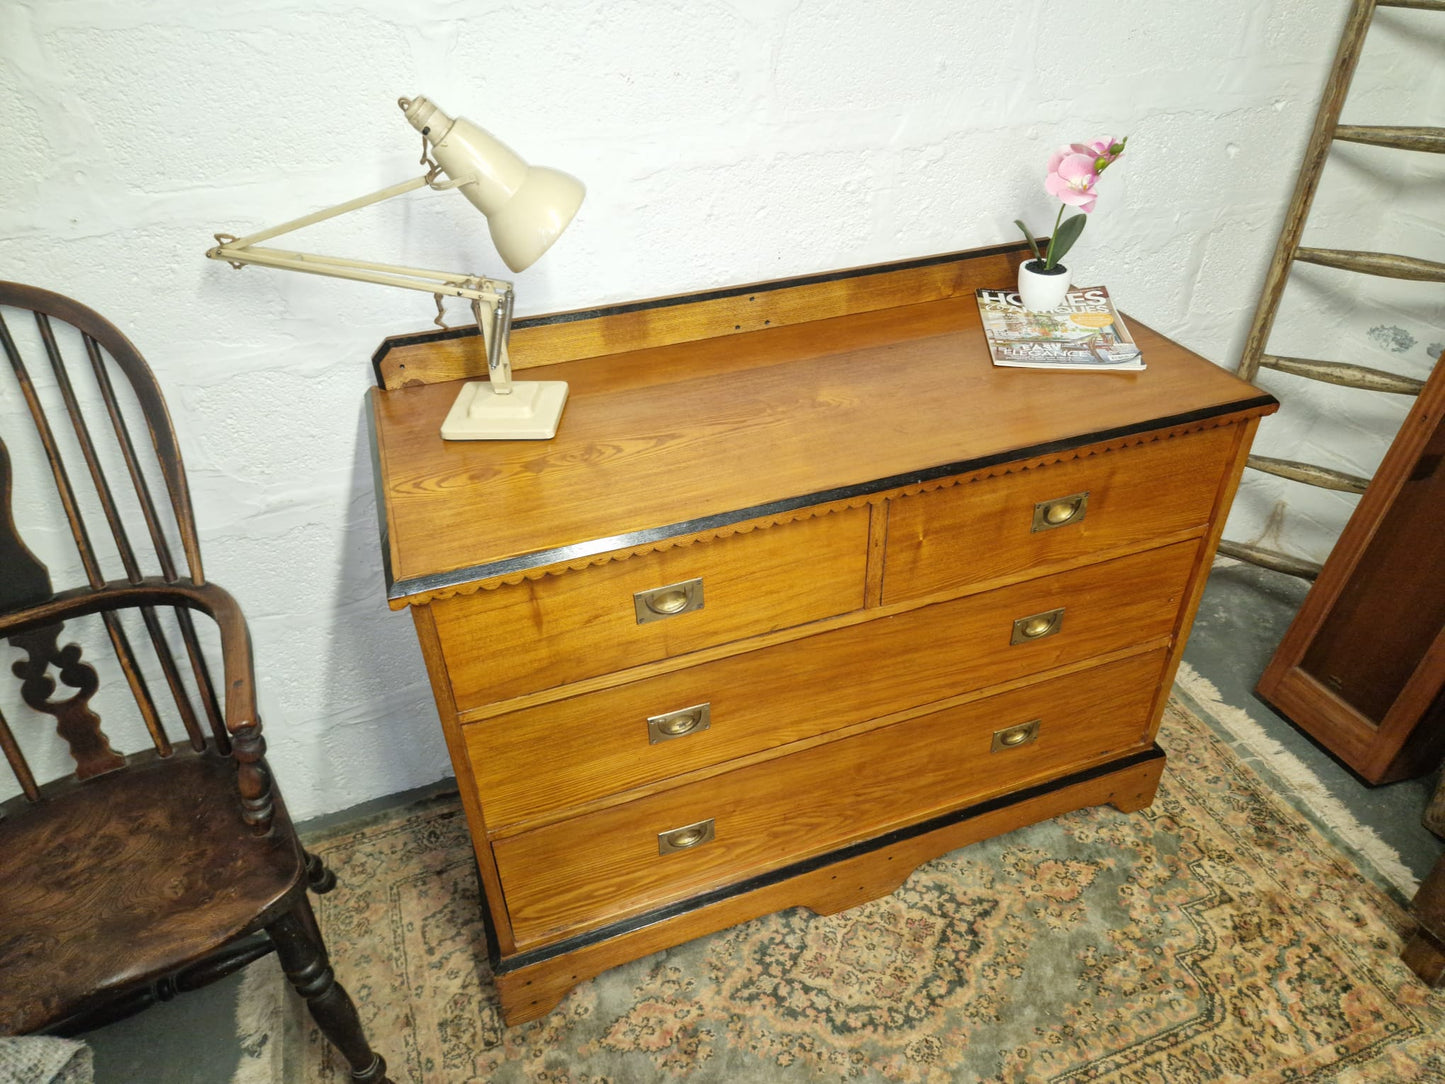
x: 1072, y: 174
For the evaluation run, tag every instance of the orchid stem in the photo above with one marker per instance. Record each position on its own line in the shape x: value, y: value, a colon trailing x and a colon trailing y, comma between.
x: 1049, y: 257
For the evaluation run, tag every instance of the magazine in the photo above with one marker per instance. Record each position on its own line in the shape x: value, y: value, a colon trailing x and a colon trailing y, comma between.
x: 1082, y: 333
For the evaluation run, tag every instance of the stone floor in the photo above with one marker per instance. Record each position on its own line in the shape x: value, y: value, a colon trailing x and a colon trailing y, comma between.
x: 1242, y: 617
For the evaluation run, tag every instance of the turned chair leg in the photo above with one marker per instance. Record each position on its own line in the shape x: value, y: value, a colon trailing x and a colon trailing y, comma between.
x: 320, y: 879
x: 303, y: 958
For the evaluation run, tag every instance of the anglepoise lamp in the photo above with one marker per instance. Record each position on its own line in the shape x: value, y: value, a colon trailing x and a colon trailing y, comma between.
x: 527, y: 208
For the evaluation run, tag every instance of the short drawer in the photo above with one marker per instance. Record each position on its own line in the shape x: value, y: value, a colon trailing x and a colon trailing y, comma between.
x: 542, y: 760
x: 579, y: 624
x: 977, y: 531
x: 585, y: 872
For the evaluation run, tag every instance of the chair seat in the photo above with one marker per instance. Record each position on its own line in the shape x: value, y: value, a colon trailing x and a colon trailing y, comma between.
x: 136, y: 868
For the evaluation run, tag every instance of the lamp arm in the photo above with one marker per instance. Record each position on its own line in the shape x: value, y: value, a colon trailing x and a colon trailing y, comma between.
x: 497, y: 294
x: 332, y: 212
x: 450, y: 283
x: 499, y: 363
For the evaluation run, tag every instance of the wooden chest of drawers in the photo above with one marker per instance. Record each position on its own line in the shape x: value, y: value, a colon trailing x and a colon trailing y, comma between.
x: 804, y: 592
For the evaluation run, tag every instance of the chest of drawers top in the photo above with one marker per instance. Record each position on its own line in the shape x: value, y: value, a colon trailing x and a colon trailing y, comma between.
x: 713, y: 414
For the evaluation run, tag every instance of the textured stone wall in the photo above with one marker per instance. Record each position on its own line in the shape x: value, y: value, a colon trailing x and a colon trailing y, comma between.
x: 721, y: 143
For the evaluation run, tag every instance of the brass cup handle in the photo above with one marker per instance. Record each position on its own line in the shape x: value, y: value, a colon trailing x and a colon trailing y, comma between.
x: 679, y: 724
x: 1037, y: 626
x: 1012, y: 737
x: 1060, y: 511
x: 685, y: 838
x: 669, y: 600
x: 666, y: 602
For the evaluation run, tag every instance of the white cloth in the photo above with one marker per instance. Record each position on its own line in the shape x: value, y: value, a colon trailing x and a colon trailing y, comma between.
x: 43, y: 1059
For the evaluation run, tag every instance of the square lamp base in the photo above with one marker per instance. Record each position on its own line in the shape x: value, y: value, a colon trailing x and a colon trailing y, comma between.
x: 530, y: 412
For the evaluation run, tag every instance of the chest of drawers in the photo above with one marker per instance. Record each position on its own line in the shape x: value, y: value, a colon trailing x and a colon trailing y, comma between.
x: 804, y: 592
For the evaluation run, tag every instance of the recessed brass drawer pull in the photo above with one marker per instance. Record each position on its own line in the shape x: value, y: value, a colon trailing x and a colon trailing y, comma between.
x: 1012, y: 737
x: 676, y: 598
x: 1037, y: 626
x: 1061, y: 511
x: 685, y: 838
x: 679, y: 724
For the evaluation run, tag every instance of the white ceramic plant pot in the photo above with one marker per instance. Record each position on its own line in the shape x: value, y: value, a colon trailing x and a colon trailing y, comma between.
x: 1040, y: 290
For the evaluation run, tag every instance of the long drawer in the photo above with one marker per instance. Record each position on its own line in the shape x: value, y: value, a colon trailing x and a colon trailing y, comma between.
x: 541, y: 633
x: 585, y: 872
x: 541, y: 760
x: 976, y: 531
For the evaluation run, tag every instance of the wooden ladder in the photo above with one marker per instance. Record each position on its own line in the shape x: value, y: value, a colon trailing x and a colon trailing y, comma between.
x: 1289, y: 251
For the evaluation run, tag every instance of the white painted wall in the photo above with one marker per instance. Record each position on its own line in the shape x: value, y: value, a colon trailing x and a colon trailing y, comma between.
x: 722, y: 143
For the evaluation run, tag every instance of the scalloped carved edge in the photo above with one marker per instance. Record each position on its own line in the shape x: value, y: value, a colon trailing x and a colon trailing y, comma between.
x: 813, y: 511
x: 1019, y: 466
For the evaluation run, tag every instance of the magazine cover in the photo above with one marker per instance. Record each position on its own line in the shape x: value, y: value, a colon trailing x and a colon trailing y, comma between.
x: 1083, y: 333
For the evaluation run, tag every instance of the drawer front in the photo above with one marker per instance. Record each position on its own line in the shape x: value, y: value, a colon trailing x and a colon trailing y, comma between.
x: 585, y: 872
x: 547, y: 632
x: 545, y: 759
x: 975, y: 531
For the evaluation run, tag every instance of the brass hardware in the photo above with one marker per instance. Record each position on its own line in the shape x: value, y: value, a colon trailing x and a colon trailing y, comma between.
x: 1061, y: 511
x: 668, y: 601
x: 685, y: 838
x: 678, y: 724
x: 1037, y: 626
x: 1012, y: 737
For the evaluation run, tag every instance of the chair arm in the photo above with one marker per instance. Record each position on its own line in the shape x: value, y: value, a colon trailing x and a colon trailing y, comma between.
x: 208, y: 598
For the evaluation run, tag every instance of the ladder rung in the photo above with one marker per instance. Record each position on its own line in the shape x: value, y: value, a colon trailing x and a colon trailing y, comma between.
x: 1271, y: 559
x: 1309, y: 474
x: 1374, y: 263
x: 1419, y: 5
x: 1405, y: 139
x: 1344, y: 374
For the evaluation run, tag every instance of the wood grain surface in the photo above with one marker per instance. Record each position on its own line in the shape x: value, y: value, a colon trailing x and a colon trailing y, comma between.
x: 798, y: 689
x: 531, y: 984
x: 725, y: 430
x: 538, y: 634
x: 767, y: 815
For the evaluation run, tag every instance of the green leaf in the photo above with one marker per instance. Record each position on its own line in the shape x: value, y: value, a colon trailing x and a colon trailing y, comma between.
x: 1029, y: 236
x: 1067, y: 233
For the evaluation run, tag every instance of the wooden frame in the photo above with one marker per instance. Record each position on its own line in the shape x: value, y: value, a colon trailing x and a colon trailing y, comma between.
x: 1362, y: 667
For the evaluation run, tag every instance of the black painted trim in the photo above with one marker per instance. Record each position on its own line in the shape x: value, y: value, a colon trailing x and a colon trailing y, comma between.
x: 443, y: 581
x: 421, y: 338
x: 810, y: 865
x: 377, y: 489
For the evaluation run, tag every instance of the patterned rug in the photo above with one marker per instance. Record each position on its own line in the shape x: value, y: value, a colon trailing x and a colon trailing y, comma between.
x: 1216, y: 936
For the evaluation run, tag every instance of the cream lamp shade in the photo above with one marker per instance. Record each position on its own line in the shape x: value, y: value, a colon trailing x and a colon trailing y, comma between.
x: 527, y: 207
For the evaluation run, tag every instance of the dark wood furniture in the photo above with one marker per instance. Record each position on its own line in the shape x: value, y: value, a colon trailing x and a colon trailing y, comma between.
x: 1424, y: 952
x: 804, y: 592
x: 146, y: 874
x: 1362, y: 666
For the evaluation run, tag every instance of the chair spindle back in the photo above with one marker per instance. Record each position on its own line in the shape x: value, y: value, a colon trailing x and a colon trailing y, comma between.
x: 105, y: 451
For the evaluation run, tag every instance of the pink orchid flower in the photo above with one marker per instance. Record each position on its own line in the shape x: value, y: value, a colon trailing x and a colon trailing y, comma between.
x: 1073, y: 171
x: 1103, y: 151
x: 1071, y: 179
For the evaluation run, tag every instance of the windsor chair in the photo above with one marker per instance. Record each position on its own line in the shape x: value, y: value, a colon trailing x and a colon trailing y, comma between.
x: 133, y: 876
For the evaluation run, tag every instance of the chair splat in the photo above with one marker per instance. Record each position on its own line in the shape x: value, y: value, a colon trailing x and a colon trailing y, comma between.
x: 25, y: 580
x: 74, y: 721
